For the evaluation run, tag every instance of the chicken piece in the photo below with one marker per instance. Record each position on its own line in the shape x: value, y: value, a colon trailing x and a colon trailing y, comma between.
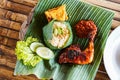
x: 89, y: 53
x: 70, y: 54
x: 73, y: 54
x: 86, y: 29
x: 58, y: 13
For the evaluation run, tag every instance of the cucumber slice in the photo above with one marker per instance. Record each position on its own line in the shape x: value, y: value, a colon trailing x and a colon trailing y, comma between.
x: 45, y: 53
x: 35, y: 45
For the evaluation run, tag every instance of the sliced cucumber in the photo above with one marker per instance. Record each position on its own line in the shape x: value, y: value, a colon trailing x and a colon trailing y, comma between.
x: 35, y: 45
x: 45, y: 53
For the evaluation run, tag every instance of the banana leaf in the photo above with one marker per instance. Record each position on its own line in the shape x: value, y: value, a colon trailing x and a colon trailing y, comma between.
x: 77, y: 10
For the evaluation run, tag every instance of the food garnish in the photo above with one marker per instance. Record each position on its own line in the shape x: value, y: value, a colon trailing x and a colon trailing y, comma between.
x: 73, y: 54
x: 57, y: 34
x: 45, y: 53
x: 59, y: 13
x: 25, y: 54
x: 31, y: 52
x: 35, y: 45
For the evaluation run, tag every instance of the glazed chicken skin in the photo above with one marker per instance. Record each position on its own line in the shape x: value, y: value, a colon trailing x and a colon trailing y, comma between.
x: 70, y: 54
x: 73, y: 54
x: 89, y: 53
x: 86, y: 29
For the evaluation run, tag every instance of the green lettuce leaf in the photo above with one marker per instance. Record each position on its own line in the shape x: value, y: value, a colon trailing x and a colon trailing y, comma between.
x: 25, y: 54
x: 31, y: 40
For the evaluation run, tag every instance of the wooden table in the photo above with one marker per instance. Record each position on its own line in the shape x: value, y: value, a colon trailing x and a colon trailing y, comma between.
x: 13, y: 13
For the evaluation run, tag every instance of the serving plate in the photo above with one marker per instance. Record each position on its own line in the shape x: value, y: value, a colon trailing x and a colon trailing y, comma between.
x: 77, y: 10
x: 112, y: 55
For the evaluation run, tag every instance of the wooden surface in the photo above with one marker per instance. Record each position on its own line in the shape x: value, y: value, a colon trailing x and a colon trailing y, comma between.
x: 13, y: 13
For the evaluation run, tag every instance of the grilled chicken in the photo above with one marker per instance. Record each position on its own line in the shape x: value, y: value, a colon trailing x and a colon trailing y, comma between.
x: 86, y: 29
x: 73, y: 54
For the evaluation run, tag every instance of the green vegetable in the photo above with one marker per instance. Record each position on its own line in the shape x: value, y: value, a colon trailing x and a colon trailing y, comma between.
x: 53, y: 31
x: 35, y: 45
x: 45, y: 53
x: 25, y: 54
x: 31, y: 40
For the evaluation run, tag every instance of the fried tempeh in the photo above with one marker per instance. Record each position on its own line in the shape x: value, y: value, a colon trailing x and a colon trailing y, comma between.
x: 59, y: 13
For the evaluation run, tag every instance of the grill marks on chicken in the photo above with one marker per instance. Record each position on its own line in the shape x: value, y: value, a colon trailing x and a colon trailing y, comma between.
x: 73, y: 54
x: 69, y: 54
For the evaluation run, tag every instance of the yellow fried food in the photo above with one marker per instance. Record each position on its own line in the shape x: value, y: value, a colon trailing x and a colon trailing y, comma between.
x: 59, y: 13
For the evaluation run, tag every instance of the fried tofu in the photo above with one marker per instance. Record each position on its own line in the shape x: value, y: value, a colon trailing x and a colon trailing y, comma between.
x: 59, y: 13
